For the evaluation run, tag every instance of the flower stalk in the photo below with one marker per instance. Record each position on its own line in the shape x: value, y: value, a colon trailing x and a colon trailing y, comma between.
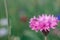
x: 45, y: 37
x: 9, y: 26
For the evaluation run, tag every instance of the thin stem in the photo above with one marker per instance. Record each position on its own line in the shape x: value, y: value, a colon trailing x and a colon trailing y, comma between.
x: 9, y: 26
x: 45, y: 37
x: 6, y: 11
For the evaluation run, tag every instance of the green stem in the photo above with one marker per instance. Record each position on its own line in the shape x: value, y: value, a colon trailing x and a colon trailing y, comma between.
x: 6, y: 11
x: 45, y: 37
x: 9, y: 26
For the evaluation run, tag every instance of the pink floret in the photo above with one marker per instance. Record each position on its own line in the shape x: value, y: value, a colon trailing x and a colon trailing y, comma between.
x: 44, y: 22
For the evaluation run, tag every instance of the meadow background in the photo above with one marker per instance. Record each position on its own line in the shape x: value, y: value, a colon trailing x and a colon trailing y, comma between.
x: 19, y: 29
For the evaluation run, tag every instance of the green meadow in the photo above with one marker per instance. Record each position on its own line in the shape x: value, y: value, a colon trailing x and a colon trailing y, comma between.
x: 28, y: 8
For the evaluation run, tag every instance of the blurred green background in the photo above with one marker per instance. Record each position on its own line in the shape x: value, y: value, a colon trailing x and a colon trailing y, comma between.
x: 18, y: 9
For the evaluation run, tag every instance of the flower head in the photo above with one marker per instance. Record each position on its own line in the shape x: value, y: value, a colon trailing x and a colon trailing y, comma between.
x: 4, y: 21
x: 58, y: 17
x: 43, y: 22
x: 3, y: 32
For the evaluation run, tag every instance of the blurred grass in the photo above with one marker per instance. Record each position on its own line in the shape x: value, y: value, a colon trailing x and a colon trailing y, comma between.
x: 32, y: 8
x: 2, y: 9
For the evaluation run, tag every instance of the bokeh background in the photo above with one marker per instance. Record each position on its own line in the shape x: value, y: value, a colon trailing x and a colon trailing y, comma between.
x: 16, y: 25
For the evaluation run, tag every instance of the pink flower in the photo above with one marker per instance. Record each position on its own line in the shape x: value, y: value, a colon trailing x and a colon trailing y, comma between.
x: 44, y: 22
